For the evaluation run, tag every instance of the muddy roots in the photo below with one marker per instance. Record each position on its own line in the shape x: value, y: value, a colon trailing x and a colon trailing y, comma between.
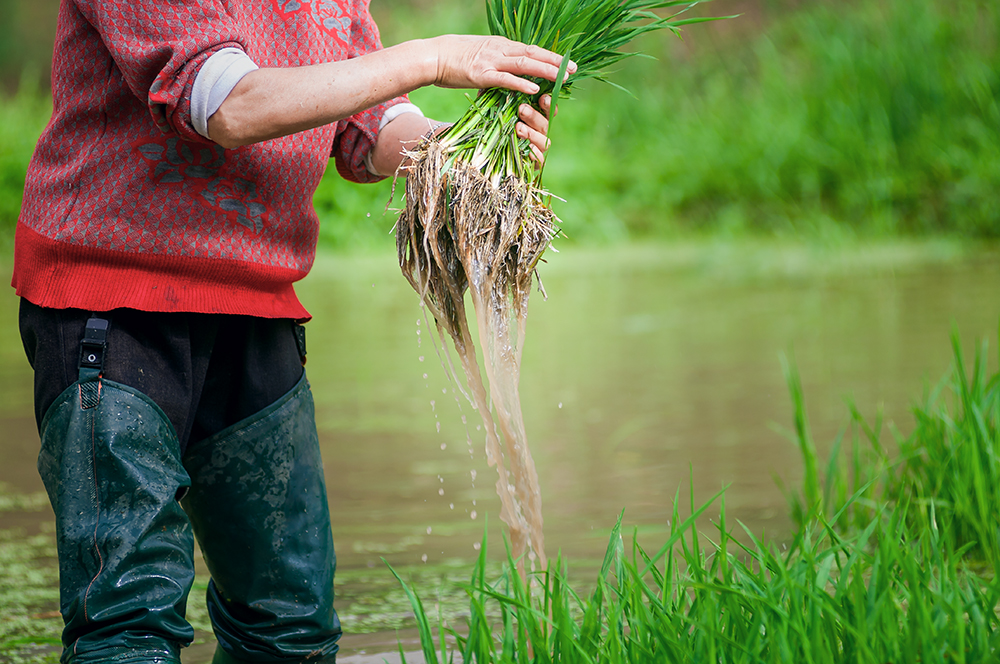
x: 463, y: 231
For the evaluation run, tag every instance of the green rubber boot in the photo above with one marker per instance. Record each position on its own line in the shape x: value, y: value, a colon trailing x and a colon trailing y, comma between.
x: 259, y: 509
x: 111, y: 465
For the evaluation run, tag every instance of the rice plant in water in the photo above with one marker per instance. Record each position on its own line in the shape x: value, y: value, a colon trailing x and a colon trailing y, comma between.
x: 476, y: 219
x: 888, y: 593
x: 885, y: 563
x: 947, y: 469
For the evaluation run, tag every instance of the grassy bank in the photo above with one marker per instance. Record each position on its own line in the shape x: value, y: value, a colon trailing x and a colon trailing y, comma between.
x: 831, y: 120
x: 22, y: 118
x: 895, y: 559
x: 826, y: 120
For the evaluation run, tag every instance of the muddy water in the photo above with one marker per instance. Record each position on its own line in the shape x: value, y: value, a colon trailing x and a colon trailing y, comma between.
x: 644, y: 364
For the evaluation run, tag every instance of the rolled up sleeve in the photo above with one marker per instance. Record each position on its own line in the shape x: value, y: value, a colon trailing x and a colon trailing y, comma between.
x: 356, y: 135
x: 159, y: 46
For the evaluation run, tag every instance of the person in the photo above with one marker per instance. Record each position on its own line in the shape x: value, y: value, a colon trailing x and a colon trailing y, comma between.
x: 167, y: 214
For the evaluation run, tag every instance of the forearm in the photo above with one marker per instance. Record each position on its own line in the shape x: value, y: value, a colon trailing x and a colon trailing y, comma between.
x: 268, y: 103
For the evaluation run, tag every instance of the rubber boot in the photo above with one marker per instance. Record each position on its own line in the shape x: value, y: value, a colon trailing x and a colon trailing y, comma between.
x: 259, y: 509
x: 111, y: 465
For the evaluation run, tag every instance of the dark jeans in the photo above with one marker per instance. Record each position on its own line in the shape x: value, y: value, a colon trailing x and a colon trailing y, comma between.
x: 206, y: 371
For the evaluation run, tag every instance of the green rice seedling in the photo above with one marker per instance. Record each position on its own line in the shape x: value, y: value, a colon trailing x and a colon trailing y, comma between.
x: 950, y: 464
x: 888, y: 593
x: 883, y: 565
x: 474, y: 204
x: 475, y: 219
x: 947, y: 469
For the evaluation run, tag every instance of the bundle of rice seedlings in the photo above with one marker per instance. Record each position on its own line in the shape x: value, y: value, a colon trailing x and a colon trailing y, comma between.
x: 477, y: 218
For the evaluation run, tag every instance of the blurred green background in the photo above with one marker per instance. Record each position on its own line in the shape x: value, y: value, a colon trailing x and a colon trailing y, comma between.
x: 821, y: 119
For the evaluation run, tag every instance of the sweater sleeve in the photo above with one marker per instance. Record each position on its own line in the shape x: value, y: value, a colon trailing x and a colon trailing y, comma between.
x: 356, y: 135
x: 159, y: 46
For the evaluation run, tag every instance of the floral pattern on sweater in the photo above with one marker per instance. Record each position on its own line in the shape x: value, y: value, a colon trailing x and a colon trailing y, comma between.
x: 200, y: 169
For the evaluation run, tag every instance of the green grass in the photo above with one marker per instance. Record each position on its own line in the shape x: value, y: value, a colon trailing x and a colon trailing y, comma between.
x: 893, y: 560
x: 947, y: 470
x: 838, y: 120
x: 22, y: 118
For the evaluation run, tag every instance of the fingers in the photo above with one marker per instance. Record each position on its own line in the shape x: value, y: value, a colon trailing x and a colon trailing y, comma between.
x: 533, y: 119
x: 484, y: 62
x: 538, y: 62
x: 534, y: 126
x: 546, y: 104
x: 538, y: 142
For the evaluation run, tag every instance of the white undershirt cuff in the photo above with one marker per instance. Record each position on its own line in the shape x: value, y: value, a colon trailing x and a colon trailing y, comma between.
x: 391, y: 114
x: 215, y: 80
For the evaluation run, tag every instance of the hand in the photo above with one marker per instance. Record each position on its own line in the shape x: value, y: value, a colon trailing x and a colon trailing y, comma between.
x: 469, y: 61
x: 534, y: 126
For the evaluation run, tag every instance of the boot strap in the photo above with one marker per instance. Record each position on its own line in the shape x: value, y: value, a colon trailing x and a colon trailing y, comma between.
x: 93, y: 348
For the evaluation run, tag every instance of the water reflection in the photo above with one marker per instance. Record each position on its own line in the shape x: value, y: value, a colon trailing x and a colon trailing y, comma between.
x: 645, y: 364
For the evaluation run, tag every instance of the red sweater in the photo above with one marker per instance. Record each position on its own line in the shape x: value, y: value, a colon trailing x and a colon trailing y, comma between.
x: 126, y: 205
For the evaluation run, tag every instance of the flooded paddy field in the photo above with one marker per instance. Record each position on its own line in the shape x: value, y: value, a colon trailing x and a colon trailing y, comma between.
x: 645, y: 366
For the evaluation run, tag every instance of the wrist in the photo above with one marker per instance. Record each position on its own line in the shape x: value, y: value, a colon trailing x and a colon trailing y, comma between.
x: 427, y: 56
x: 436, y: 129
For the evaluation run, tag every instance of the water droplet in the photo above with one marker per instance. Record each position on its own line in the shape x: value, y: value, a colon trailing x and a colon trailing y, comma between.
x: 451, y: 506
x: 463, y: 420
x: 444, y: 446
x: 369, y: 214
x: 421, y: 358
x: 418, y: 333
x: 432, y: 404
x: 418, y: 322
x: 444, y: 390
x: 473, y: 473
x: 473, y: 515
x: 441, y: 479
x: 532, y: 556
x: 560, y: 404
x: 423, y: 558
x: 438, y: 426
x: 477, y: 546
x: 425, y: 376
x: 473, y: 502
x: 429, y: 530
x: 440, y: 492
x: 479, y: 427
